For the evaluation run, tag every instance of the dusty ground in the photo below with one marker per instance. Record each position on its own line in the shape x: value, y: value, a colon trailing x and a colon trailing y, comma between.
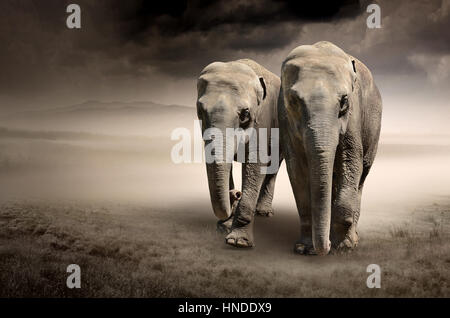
x: 134, y: 251
x: 139, y: 225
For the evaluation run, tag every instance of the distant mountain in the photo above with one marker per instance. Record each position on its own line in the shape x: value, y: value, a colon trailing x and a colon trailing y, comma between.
x: 96, y: 106
x: 90, y: 107
x: 117, y: 118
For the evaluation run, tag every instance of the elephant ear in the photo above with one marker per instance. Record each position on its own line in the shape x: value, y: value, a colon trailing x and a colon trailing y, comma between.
x: 264, y: 89
x: 201, y: 86
x: 354, y: 66
x: 353, y: 61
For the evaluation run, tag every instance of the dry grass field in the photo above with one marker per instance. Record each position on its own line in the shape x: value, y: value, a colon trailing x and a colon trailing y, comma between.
x: 134, y: 251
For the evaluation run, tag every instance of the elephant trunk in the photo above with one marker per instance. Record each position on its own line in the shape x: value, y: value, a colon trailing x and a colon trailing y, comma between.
x: 218, y: 171
x: 321, y: 150
x: 218, y: 181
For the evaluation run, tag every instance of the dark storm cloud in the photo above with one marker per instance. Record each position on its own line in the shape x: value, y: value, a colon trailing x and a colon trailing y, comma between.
x: 124, y: 46
x: 182, y: 37
x: 202, y: 15
x: 169, y: 35
x: 412, y: 27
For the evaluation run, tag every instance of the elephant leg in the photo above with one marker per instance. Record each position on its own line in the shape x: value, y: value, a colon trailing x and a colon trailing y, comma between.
x: 264, y: 205
x: 346, y: 203
x: 242, y: 228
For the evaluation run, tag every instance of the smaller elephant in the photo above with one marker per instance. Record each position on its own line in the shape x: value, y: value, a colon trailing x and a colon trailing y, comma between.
x: 330, y: 119
x: 239, y: 95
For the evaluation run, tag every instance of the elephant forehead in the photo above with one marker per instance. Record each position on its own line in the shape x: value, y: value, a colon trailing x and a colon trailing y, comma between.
x: 235, y: 83
x: 234, y: 67
x: 218, y: 100
x: 325, y: 65
x: 333, y: 71
x: 311, y: 89
x: 319, y: 49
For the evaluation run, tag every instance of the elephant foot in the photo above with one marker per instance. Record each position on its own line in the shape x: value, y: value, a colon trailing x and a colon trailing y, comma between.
x: 346, y: 246
x: 240, y: 237
x: 224, y: 227
x: 347, y: 242
x: 304, y: 247
x: 268, y: 212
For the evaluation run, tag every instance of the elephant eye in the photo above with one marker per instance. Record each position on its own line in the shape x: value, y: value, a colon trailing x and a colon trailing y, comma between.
x: 343, y: 105
x: 200, y: 108
x: 244, y: 116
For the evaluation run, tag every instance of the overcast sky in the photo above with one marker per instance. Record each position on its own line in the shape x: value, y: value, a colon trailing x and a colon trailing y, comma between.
x: 136, y: 50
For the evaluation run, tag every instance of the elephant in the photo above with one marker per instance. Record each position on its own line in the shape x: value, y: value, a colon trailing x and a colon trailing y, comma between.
x: 239, y: 94
x: 330, y: 119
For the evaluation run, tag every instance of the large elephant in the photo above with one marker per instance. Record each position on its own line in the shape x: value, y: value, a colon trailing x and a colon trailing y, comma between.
x: 238, y: 94
x: 330, y: 119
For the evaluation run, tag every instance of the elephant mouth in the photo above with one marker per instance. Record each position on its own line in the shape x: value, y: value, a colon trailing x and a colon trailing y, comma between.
x: 235, y: 197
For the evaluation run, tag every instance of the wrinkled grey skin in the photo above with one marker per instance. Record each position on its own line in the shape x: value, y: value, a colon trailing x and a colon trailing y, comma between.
x: 224, y: 91
x: 329, y: 144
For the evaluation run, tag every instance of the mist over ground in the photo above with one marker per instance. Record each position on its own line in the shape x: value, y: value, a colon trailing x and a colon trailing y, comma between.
x: 80, y: 148
x: 93, y: 188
